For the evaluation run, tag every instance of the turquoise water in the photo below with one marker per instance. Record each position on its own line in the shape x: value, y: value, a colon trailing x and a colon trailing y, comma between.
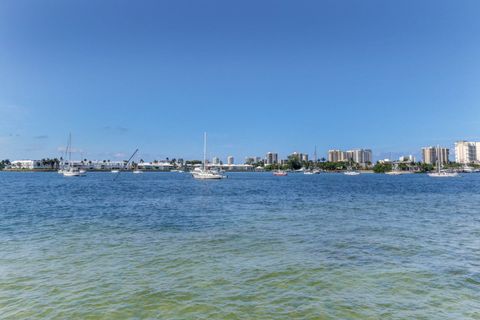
x: 254, y: 246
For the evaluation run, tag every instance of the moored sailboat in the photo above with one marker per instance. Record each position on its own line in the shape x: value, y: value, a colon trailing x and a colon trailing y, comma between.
x: 204, y: 173
x: 71, y: 170
x: 441, y: 173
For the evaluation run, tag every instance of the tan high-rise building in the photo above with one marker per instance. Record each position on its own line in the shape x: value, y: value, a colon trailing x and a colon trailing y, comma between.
x: 337, y: 156
x: 230, y: 160
x: 430, y: 154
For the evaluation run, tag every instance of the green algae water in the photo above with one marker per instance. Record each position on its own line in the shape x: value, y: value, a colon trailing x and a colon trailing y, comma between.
x: 254, y: 246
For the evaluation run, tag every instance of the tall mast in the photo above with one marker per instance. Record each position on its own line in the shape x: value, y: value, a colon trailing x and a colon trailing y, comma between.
x: 438, y: 158
x: 204, y: 151
x: 315, y: 155
x: 70, y: 149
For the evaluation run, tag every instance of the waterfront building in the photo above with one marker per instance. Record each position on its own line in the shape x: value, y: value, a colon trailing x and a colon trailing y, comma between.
x: 300, y: 156
x: 337, y: 156
x: 230, y: 160
x: 467, y: 152
x: 271, y: 158
x: 430, y: 155
x: 29, y: 164
x: 360, y: 156
x: 157, y: 165
x: 249, y: 160
x: 409, y: 158
x: 229, y: 167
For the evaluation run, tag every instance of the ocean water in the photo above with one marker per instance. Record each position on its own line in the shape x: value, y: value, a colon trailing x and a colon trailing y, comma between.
x: 254, y: 246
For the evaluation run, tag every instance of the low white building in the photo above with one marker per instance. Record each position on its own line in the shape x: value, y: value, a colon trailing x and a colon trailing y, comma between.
x: 29, y: 164
x: 227, y: 167
x: 161, y: 166
x: 97, y: 164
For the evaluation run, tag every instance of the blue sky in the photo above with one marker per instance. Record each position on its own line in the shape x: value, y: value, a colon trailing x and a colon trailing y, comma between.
x: 258, y: 76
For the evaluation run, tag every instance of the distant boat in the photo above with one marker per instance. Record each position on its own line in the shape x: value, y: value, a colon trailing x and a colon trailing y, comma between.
x: 351, y: 173
x: 137, y: 171
x: 280, y: 173
x: 394, y: 172
x: 398, y: 172
x: 204, y: 173
x: 316, y: 171
x: 441, y: 173
x: 70, y: 170
x: 115, y: 171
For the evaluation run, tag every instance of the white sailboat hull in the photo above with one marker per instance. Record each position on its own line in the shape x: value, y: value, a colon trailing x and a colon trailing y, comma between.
x: 207, y: 175
x: 443, y: 174
x: 72, y: 174
x: 351, y: 173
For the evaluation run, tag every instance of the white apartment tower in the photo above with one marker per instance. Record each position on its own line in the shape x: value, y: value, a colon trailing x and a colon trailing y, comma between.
x: 467, y: 152
x: 360, y: 156
x: 271, y: 158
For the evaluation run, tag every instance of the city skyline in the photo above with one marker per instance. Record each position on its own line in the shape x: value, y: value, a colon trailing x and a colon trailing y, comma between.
x: 156, y: 76
x: 464, y: 152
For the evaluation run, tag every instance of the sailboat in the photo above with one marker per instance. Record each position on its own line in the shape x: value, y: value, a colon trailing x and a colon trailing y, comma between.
x: 70, y: 170
x: 441, y: 173
x: 313, y: 171
x: 395, y: 171
x: 204, y: 173
x: 351, y: 172
x: 279, y: 172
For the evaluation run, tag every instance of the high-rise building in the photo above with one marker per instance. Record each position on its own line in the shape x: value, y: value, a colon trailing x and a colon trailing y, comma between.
x: 361, y: 156
x: 215, y: 160
x: 409, y: 158
x: 467, y: 152
x: 252, y: 160
x: 300, y: 156
x: 271, y: 158
x: 430, y: 155
x: 337, y: 156
x: 230, y: 160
